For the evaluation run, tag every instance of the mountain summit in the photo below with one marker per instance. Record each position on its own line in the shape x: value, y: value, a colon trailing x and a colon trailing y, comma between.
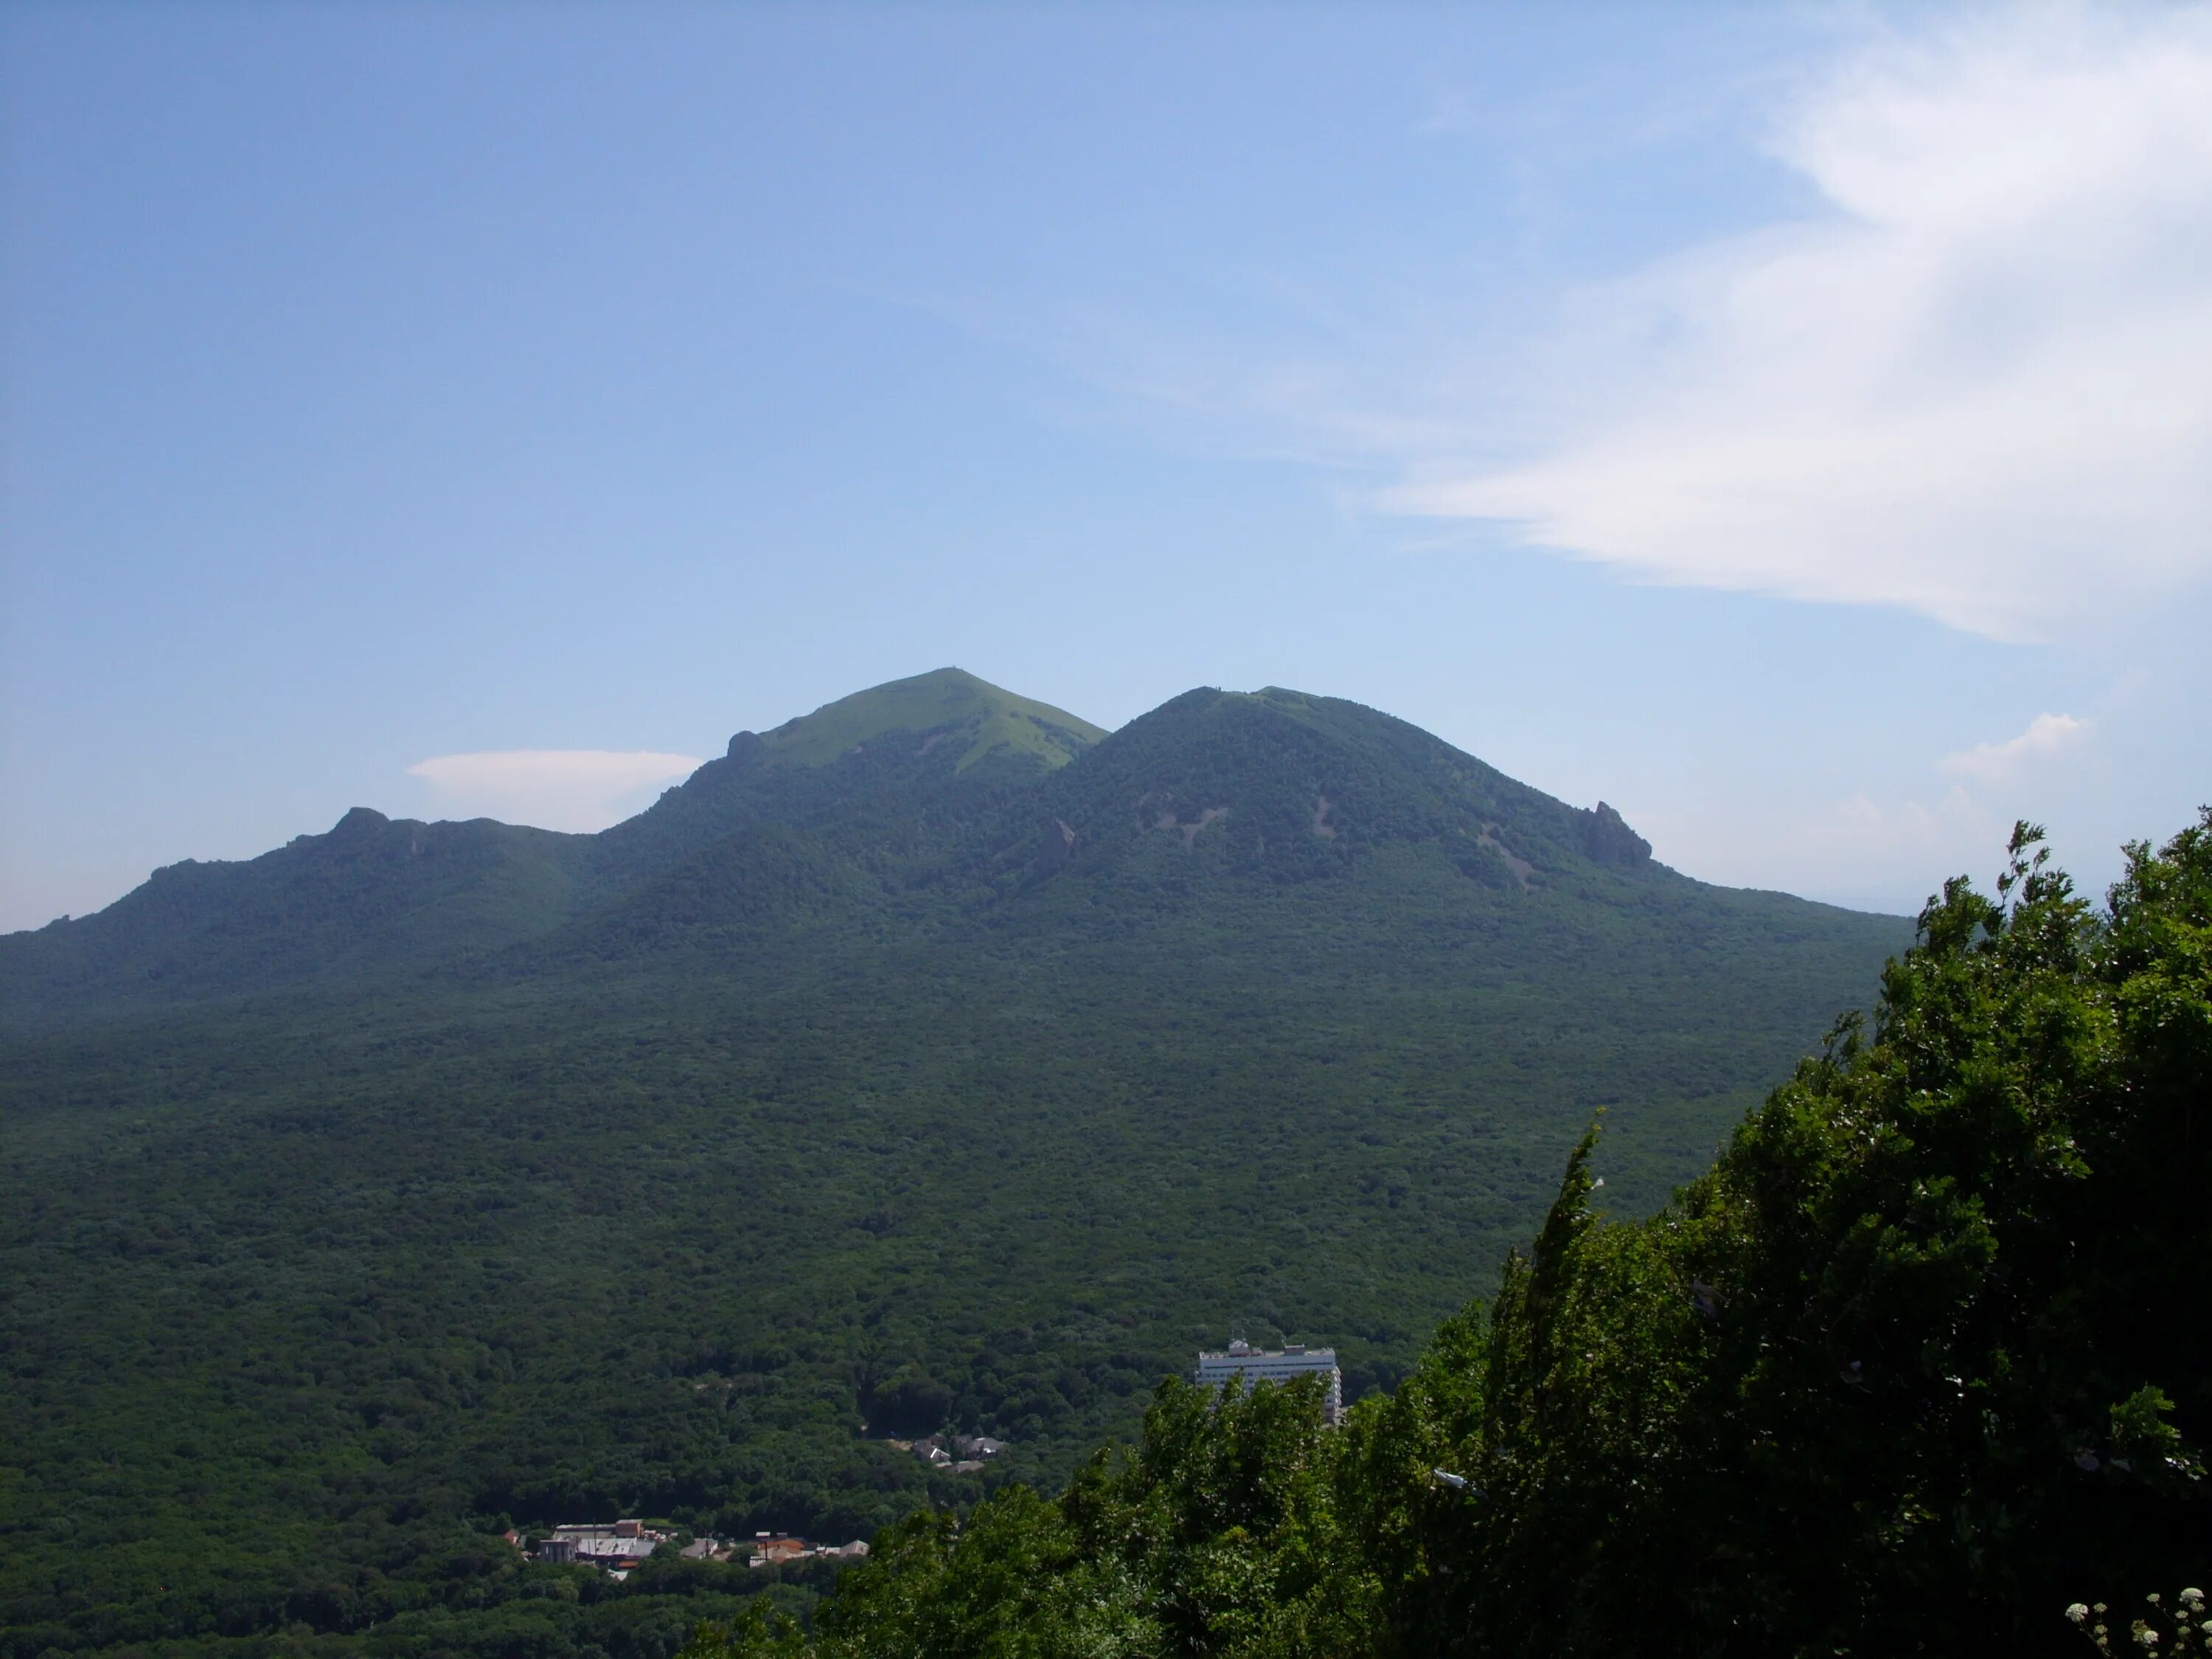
x: 978, y: 722
x: 937, y: 741
x: 1300, y: 785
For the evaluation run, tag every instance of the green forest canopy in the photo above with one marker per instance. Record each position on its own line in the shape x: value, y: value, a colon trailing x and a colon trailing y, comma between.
x: 1920, y: 1363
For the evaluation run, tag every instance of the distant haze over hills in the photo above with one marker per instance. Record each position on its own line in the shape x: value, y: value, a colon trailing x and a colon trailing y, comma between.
x: 933, y: 1058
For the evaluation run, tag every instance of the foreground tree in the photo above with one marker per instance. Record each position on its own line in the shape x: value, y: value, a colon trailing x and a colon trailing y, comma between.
x: 1926, y: 1348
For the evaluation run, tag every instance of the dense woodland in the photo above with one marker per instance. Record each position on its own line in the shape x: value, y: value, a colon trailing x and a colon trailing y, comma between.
x: 1921, y: 1366
x: 935, y: 1060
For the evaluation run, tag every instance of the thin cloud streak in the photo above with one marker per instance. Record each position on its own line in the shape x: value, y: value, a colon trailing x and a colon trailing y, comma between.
x: 1996, y: 763
x: 1980, y: 390
x: 578, y: 790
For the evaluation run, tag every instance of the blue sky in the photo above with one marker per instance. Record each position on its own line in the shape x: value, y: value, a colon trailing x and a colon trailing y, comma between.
x: 1792, y: 426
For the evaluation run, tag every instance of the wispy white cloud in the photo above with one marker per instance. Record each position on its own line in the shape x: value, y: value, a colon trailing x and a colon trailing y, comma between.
x: 1978, y: 387
x: 574, y: 789
x: 1996, y: 763
x: 1954, y: 824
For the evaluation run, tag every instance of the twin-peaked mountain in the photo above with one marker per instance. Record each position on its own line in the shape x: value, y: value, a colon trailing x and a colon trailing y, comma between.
x: 926, y: 803
x: 935, y: 1060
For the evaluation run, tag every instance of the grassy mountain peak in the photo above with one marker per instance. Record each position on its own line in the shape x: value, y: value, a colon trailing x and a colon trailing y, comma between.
x: 1299, y: 785
x: 892, y: 747
x: 989, y: 721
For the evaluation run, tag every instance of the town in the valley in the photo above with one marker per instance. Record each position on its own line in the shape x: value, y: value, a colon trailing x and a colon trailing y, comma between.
x: 621, y: 1547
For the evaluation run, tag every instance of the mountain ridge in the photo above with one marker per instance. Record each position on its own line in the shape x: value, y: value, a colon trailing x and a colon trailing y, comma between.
x: 940, y: 791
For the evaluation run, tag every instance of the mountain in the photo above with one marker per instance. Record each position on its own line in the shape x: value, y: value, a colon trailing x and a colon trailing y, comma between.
x: 376, y: 896
x: 939, y: 735
x: 1299, y: 787
x: 932, y: 1058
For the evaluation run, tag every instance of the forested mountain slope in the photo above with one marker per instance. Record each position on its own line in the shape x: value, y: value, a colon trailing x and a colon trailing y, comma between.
x: 1917, y: 1367
x: 885, y: 1074
x: 369, y: 895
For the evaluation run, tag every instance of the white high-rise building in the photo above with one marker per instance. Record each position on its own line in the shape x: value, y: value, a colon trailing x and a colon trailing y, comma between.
x: 1276, y: 1365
